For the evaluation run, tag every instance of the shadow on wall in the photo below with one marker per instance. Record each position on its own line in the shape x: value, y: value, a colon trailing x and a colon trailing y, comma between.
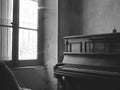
x: 76, y: 12
x: 70, y: 21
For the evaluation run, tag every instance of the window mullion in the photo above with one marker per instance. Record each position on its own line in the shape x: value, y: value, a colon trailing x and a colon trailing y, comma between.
x: 15, y: 31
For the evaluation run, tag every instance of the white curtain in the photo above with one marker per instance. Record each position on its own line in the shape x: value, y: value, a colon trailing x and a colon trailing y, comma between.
x: 6, y: 14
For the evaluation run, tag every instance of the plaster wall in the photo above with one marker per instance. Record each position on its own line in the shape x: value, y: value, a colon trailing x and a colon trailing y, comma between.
x: 101, y: 16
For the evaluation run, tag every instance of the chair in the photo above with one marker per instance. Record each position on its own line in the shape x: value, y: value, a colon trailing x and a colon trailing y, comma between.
x: 8, y: 80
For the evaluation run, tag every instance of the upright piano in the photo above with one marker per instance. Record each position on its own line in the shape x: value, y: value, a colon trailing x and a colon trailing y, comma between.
x: 91, y: 62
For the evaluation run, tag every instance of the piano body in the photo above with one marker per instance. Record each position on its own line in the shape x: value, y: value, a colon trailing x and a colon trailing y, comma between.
x: 91, y: 62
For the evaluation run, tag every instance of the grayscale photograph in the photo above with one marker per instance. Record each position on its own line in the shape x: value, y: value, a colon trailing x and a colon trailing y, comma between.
x: 59, y: 44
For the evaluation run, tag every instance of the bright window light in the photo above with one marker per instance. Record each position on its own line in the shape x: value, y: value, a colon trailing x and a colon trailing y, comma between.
x: 28, y: 29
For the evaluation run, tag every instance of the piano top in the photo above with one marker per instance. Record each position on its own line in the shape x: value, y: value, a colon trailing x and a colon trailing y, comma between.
x: 93, y: 35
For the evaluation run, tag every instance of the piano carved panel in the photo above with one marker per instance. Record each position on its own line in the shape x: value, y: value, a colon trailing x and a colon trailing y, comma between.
x: 93, y: 44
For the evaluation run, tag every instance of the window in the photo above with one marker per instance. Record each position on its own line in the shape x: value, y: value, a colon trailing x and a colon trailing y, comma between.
x: 19, y: 31
x: 28, y: 17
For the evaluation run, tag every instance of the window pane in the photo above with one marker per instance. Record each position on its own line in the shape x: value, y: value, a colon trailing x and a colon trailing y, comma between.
x: 28, y: 13
x: 28, y: 29
x: 27, y: 44
x: 6, y: 15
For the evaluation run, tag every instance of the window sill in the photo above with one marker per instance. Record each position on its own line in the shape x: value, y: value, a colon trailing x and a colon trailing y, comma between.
x: 29, y: 67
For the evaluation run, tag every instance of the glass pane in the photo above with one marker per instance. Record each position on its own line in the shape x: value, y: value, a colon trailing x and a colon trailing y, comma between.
x: 28, y: 14
x: 28, y: 36
x: 6, y: 15
x: 27, y: 44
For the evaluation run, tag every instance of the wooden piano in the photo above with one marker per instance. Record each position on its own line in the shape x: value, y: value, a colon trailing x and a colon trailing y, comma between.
x: 91, y: 62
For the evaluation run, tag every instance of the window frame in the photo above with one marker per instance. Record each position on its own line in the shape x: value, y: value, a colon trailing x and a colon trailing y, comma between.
x: 15, y: 62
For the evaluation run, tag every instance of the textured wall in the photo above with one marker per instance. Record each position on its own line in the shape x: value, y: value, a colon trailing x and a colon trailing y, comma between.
x: 101, y: 16
x: 71, y: 17
x: 89, y: 16
x: 51, y: 40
